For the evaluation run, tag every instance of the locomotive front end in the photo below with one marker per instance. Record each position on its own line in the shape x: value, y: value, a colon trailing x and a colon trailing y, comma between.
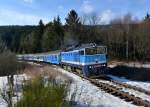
x: 95, y: 60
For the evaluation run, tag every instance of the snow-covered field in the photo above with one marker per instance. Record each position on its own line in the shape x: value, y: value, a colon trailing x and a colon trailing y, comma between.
x: 18, y: 79
x: 88, y: 95
x: 129, y: 64
x: 85, y: 94
x: 144, y: 85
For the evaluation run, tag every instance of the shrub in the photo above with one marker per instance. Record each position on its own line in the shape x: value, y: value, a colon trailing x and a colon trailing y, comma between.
x: 42, y: 92
x: 9, y: 64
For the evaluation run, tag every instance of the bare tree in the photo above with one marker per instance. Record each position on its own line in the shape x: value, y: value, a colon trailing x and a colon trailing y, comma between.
x: 2, y: 46
x: 124, y: 24
x: 94, y: 19
x: 84, y: 19
x: 127, y: 20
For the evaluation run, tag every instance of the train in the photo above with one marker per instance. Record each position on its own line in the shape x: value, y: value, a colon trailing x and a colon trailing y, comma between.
x: 89, y: 60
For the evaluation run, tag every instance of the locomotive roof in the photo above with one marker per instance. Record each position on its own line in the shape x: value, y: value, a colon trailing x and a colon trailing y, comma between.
x: 88, y: 46
x: 83, y: 46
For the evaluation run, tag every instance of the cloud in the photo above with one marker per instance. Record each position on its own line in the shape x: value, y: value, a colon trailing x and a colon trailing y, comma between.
x: 9, y: 17
x: 28, y: 1
x: 87, y: 7
x: 61, y: 9
x: 106, y: 16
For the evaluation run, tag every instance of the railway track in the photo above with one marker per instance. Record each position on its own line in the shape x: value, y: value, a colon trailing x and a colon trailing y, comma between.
x: 121, y: 94
x: 118, y: 92
x: 131, y: 87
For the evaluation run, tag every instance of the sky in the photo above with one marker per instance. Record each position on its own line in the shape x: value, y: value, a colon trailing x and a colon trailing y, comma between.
x: 29, y: 12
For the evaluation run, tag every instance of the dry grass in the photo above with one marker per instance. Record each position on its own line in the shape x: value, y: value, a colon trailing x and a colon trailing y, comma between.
x: 52, y: 72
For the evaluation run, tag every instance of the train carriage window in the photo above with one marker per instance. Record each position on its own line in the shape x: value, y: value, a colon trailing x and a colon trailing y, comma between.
x: 55, y: 57
x: 81, y: 52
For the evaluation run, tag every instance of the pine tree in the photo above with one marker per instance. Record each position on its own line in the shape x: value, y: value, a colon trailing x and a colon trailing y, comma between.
x: 73, y: 26
x: 41, y: 25
x: 36, y: 38
x: 147, y: 17
x: 58, y: 29
x: 72, y: 20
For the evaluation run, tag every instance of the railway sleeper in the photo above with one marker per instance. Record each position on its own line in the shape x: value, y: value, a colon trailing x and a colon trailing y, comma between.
x: 147, y: 103
x: 138, y: 101
x: 123, y: 97
x: 118, y: 94
x: 114, y: 93
x: 128, y: 99
x: 106, y: 88
x: 109, y: 91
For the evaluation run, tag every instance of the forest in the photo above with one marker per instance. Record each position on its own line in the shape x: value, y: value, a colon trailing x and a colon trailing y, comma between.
x: 125, y: 37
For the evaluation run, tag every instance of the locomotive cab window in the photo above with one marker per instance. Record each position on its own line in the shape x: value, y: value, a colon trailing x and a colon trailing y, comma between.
x: 101, y: 50
x: 95, y: 50
x: 90, y: 51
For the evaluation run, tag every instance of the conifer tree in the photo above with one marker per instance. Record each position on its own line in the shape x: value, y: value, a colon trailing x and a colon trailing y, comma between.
x: 73, y: 25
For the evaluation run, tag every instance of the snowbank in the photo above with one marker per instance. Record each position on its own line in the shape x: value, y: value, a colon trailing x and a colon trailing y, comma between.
x: 86, y: 94
x: 18, y: 79
x: 129, y: 64
x: 3, y: 81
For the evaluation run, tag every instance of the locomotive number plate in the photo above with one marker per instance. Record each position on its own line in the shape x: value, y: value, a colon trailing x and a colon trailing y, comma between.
x: 96, y: 66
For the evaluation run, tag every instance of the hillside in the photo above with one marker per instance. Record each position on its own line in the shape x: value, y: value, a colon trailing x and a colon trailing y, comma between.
x: 12, y: 35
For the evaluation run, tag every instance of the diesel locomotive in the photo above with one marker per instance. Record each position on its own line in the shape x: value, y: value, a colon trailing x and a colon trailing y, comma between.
x: 90, y: 60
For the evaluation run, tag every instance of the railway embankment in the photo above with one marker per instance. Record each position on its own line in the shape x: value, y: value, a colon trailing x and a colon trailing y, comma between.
x: 27, y: 84
x: 81, y: 92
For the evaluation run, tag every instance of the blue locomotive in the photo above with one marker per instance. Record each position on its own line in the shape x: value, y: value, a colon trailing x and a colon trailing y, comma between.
x: 91, y: 60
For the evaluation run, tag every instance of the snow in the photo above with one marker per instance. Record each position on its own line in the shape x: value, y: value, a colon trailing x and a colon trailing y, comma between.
x: 144, y: 85
x: 18, y: 79
x: 86, y: 94
x: 129, y: 64
x: 3, y: 81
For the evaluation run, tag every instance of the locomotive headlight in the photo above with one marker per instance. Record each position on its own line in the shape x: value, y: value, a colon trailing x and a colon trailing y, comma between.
x: 104, y: 64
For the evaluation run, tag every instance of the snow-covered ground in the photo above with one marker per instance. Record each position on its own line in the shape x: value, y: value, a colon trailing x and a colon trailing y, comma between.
x: 144, y: 85
x: 129, y: 64
x: 85, y: 94
x: 18, y: 79
x: 88, y: 95
x: 3, y: 81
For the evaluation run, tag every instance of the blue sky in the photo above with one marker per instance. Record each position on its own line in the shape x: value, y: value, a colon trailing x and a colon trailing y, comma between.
x: 28, y: 12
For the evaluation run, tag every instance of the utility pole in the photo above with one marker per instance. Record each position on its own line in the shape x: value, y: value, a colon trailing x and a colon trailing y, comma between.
x: 127, y: 48
x: 127, y: 40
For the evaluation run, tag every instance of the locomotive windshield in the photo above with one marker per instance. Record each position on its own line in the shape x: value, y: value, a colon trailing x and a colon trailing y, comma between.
x: 95, y: 50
